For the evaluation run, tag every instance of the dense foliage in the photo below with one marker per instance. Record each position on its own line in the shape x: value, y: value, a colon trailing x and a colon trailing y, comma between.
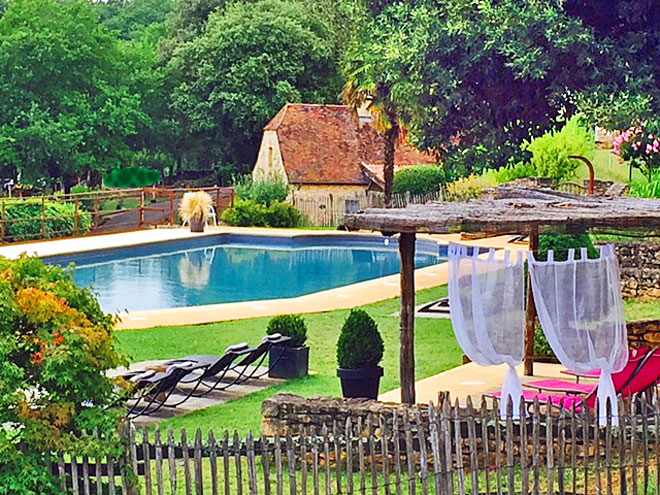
x: 640, y: 148
x: 251, y: 59
x: 248, y: 213
x: 177, y: 85
x: 481, y: 77
x: 561, y: 244
x: 24, y: 220
x: 551, y: 152
x: 360, y: 344
x: 66, y: 107
x: 290, y: 326
x: 128, y: 177
x: 262, y: 192
x: 418, y: 180
x: 56, y: 346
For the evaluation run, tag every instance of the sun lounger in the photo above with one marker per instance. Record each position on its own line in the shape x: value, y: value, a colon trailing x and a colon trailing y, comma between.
x: 637, y: 377
x: 155, y: 388
x: 595, y: 374
x: 566, y: 387
x: 216, y: 372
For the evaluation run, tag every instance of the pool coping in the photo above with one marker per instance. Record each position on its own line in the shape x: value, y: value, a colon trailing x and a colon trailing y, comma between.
x: 345, y: 297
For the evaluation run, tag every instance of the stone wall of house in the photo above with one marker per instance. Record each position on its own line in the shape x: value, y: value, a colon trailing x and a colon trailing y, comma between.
x: 644, y: 333
x: 640, y: 268
x: 290, y: 413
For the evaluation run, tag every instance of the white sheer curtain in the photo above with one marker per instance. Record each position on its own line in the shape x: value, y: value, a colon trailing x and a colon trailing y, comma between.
x: 581, y: 311
x: 487, y: 307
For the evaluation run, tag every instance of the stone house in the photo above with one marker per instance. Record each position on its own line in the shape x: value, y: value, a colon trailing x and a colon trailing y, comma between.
x: 327, y: 153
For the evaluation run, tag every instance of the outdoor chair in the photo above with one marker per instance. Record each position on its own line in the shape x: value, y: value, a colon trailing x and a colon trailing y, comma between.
x: 644, y: 375
x: 578, y: 374
x: 246, y: 364
x: 563, y: 386
x: 249, y: 367
x: 154, y: 388
x: 215, y: 372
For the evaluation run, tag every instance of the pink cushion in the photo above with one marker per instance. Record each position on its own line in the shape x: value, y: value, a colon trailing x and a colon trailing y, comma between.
x: 553, y: 385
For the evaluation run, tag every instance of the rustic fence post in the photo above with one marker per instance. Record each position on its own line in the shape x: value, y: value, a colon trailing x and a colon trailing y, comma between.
x: 96, y: 211
x: 75, y: 217
x: 171, y: 207
x: 43, y: 217
x: 141, y: 210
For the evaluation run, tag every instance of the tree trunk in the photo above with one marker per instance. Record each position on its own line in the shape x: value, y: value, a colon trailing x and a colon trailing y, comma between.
x: 391, y: 136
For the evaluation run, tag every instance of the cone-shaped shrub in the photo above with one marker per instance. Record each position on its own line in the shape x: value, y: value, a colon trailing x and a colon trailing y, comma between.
x: 360, y: 344
x: 290, y: 326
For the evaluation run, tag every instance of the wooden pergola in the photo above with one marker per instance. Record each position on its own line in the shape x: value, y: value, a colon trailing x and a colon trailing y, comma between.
x: 505, y: 211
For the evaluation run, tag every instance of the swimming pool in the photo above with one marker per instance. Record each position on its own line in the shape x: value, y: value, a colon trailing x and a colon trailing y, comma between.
x: 231, y: 268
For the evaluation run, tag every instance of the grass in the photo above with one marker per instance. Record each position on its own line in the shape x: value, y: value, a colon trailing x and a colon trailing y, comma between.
x: 436, y: 351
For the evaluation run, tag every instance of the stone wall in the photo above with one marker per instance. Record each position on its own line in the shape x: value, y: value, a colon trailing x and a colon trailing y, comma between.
x: 644, y: 333
x: 640, y: 268
x: 287, y: 412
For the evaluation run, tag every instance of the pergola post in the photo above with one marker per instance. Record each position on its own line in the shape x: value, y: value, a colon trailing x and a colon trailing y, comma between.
x: 407, y: 318
x: 530, y: 318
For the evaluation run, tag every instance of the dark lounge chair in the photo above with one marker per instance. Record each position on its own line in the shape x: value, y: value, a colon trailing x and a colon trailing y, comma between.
x: 155, y: 388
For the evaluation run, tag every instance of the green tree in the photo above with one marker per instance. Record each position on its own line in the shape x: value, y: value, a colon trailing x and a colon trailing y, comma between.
x: 383, y: 70
x: 250, y: 61
x: 130, y: 18
x: 65, y: 106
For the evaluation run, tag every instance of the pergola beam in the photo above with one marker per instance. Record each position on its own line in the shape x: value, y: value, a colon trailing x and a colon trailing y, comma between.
x: 505, y: 211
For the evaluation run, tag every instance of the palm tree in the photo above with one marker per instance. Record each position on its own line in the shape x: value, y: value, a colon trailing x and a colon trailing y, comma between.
x: 356, y: 94
x: 383, y: 68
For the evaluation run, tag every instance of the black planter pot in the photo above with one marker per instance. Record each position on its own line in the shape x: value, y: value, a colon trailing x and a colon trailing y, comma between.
x: 360, y: 382
x: 288, y: 362
x: 197, y: 224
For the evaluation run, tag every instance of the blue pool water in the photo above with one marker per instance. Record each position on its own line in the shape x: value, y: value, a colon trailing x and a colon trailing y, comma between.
x: 230, y: 268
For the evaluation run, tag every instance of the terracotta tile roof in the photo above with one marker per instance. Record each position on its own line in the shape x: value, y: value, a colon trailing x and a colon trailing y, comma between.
x: 325, y: 144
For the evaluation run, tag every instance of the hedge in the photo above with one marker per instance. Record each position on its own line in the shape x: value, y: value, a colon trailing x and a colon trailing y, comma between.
x: 23, y: 220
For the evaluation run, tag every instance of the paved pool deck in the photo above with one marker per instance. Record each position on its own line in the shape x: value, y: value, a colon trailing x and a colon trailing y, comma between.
x: 347, y: 297
x: 472, y: 380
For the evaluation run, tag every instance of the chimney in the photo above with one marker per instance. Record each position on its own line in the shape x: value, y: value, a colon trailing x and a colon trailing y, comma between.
x: 364, y: 115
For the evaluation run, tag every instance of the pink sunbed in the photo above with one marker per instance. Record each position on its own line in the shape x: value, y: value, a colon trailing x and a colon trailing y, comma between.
x: 578, y: 374
x: 566, y: 387
x: 641, y: 373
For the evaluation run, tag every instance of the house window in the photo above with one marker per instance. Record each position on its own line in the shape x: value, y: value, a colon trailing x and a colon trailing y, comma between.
x: 270, y: 156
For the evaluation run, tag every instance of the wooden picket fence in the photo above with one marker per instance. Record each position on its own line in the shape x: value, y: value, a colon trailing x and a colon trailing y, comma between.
x: 420, y: 450
x: 405, y: 199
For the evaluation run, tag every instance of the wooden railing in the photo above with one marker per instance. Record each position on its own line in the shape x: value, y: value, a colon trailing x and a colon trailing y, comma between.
x: 96, y: 212
x: 440, y: 450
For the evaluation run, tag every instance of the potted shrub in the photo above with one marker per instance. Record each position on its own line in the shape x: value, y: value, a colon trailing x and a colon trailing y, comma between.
x: 194, y: 209
x: 291, y: 359
x: 359, y: 350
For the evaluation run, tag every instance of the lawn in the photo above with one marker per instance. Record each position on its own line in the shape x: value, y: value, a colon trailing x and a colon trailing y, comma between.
x: 436, y: 351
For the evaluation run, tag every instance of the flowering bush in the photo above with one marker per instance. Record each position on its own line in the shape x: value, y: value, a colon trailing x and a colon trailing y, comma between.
x: 640, y: 148
x: 55, y: 347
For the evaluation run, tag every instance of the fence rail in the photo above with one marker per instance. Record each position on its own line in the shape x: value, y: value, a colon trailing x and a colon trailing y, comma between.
x: 424, y: 450
x: 63, y: 215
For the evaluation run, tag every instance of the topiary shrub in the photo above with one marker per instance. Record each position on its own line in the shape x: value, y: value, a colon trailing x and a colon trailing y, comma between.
x: 418, y: 180
x: 57, y: 345
x: 293, y: 326
x: 560, y: 244
x: 360, y: 344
